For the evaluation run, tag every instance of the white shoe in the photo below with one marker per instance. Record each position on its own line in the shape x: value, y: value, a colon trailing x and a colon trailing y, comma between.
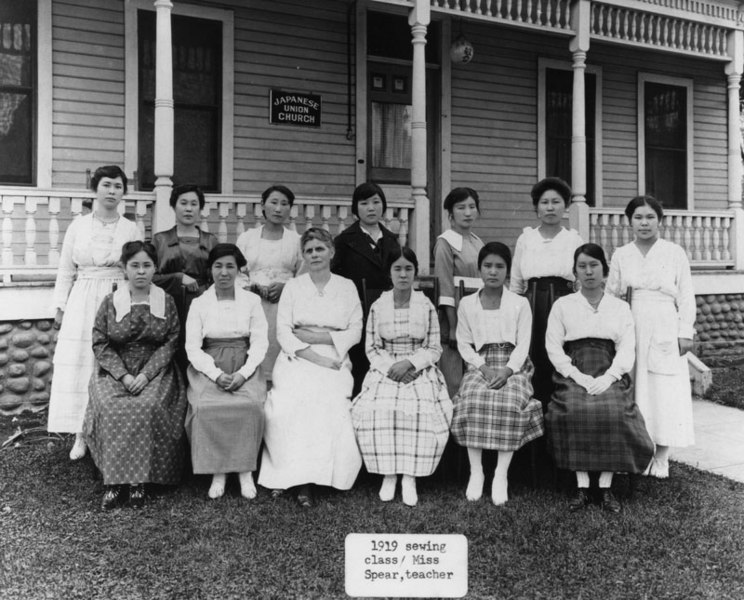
x: 217, y: 489
x: 474, y: 490
x: 247, y: 487
x: 78, y: 448
x: 659, y: 469
x: 387, y: 491
x: 499, y: 494
x: 408, y: 489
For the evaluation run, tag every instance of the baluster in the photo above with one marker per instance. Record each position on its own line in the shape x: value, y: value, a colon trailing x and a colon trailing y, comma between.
x: 204, y: 222
x: 694, y: 224
x: 657, y: 30
x: 725, y: 239
x: 403, y: 231
x: 626, y: 29
x: 343, y: 213
x: 76, y: 207
x: 257, y: 215
x: 679, y: 230
x: 707, y: 239
x: 387, y: 217
x: 309, y: 215
x: 614, y: 233
x: 241, y: 210
x: 664, y: 32
x: 593, y: 226
x: 616, y: 15
x: 688, y: 36
x: 519, y: 4
x: 478, y: 7
x: 488, y: 8
x: 30, y: 254
x: 467, y: 6
x: 8, y: 202
x: 696, y: 31
x: 140, y: 212
x: 293, y: 217
x: 528, y: 12
x: 224, y: 212
x: 549, y: 13
x: 627, y: 230
x: 642, y: 35
x: 325, y: 217
x: 53, y: 210
x: 716, y: 238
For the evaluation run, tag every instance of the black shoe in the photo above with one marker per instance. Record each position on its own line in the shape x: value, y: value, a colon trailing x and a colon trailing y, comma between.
x: 609, y: 502
x: 111, y: 497
x: 580, y: 500
x: 137, y: 496
x: 305, y: 496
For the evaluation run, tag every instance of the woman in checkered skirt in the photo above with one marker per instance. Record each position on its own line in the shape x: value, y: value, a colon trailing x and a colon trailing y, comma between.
x: 403, y: 412
x: 495, y: 408
x: 592, y: 420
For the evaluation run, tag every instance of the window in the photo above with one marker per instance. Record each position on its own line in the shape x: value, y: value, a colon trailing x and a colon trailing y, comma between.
x: 197, y: 96
x: 665, y: 137
x: 556, y: 106
x: 17, y: 91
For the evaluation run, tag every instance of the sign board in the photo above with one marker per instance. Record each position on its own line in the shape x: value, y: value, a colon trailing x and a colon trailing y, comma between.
x: 294, y: 108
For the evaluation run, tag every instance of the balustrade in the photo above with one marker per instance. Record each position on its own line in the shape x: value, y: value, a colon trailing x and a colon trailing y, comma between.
x: 553, y: 14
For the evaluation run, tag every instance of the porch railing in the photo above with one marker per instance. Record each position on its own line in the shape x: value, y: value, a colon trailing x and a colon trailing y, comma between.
x: 34, y: 222
x: 707, y: 236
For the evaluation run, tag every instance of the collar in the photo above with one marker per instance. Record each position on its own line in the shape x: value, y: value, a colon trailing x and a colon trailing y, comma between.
x: 172, y: 237
x: 123, y: 302
x: 365, y: 230
x: 455, y: 239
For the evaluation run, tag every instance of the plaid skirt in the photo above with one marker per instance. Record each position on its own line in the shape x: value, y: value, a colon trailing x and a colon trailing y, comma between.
x: 402, y: 428
x: 504, y: 419
x: 605, y: 432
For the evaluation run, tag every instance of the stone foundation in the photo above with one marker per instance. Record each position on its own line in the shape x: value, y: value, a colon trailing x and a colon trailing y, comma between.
x: 720, y: 328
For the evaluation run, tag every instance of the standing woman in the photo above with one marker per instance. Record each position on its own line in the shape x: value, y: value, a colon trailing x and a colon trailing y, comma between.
x: 272, y: 252
x: 592, y: 420
x: 663, y: 302
x: 361, y: 253
x: 88, y: 270
x: 403, y: 413
x: 543, y: 270
x: 494, y: 409
x: 309, y: 437
x: 134, y: 420
x: 455, y: 260
x: 182, y: 256
x: 226, y: 342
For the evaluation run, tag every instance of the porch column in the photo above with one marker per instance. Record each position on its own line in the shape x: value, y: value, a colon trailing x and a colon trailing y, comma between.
x: 733, y: 72
x: 162, y: 214
x: 579, y: 45
x: 419, y: 19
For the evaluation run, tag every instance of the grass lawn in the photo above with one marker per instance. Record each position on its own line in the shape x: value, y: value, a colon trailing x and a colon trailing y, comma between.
x: 728, y: 386
x: 681, y: 538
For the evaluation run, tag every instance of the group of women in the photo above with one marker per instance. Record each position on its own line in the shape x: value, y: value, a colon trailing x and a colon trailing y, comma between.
x: 191, y: 330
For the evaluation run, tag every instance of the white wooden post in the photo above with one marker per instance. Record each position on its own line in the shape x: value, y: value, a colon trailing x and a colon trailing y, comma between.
x: 579, y: 45
x: 419, y: 19
x: 734, y: 71
x: 163, y: 217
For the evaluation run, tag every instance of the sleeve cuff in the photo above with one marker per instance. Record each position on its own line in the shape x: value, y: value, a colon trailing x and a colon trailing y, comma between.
x: 614, y: 373
x: 686, y: 331
x: 446, y: 301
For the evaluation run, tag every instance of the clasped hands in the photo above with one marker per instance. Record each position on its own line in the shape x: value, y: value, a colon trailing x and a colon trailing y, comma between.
x: 134, y: 384
x: 230, y: 383
x: 593, y: 385
x: 402, y: 371
x: 495, y: 378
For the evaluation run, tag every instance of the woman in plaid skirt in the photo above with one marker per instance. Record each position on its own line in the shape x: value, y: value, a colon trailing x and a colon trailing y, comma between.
x: 494, y: 408
x: 403, y: 412
x: 592, y: 420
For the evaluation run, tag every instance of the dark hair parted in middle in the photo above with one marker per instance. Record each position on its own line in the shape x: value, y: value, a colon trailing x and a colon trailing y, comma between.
x: 365, y: 191
x: 316, y: 233
x: 458, y: 195
x: 498, y: 249
x: 130, y: 249
x: 180, y: 190
x: 277, y: 188
x: 551, y: 183
x: 111, y: 171
x: 594, y: 251
x: 406, y: 253
x: 222, y: 250
x: 649, y: 201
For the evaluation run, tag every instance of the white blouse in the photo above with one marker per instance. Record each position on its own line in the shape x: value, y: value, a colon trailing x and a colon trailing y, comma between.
x: 239, y: 318
x: 270, y: 260
x: 664, y: 269
x: 573, y: 318
x: 536, y: 256
x: 337, y: 308
x: 475, y: 328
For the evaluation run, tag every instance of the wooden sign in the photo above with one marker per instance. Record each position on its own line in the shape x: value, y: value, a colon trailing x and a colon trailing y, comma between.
x: 294, y: 108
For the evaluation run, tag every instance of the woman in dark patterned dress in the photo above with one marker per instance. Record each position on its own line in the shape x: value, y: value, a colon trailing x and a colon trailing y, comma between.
x: 402, y: 415
x: 134, y: 419
x: 593, y: 422
x: 494, y: 408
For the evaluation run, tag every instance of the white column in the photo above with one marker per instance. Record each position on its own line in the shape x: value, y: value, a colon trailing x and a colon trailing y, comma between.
x: 579, y: 45
x: 419, y: 19
x: 734, y: 71
x: 162, y: 215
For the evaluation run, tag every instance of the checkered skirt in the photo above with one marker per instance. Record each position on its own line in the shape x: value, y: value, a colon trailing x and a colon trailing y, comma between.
x: 503, y: 419
x: 605, y: 432
x: 402, y: 428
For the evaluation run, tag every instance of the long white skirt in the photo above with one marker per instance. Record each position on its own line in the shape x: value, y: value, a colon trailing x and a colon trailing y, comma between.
x: 662, y: 378
x: 73, y: 355
x: 309, y: 437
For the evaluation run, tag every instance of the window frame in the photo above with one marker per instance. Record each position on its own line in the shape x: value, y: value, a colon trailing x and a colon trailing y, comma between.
x: 543, y: 64
x: 682, y: 82
x: 131, y: 111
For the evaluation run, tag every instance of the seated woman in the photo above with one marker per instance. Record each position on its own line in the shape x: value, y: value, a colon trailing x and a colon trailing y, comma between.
x: 494, y: 408
x: 592, y: 420
x: 134, y: 419
x: 226, y: 340
x: 403, y: 413
x: 309, y: 437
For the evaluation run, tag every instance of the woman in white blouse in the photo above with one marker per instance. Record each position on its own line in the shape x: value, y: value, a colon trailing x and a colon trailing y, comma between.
x: 593, y: 423
x: 494, y: 408
x: 543, y: 270
x: 225, y: 343
x: 309, y: 436
x: 663, y: 302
